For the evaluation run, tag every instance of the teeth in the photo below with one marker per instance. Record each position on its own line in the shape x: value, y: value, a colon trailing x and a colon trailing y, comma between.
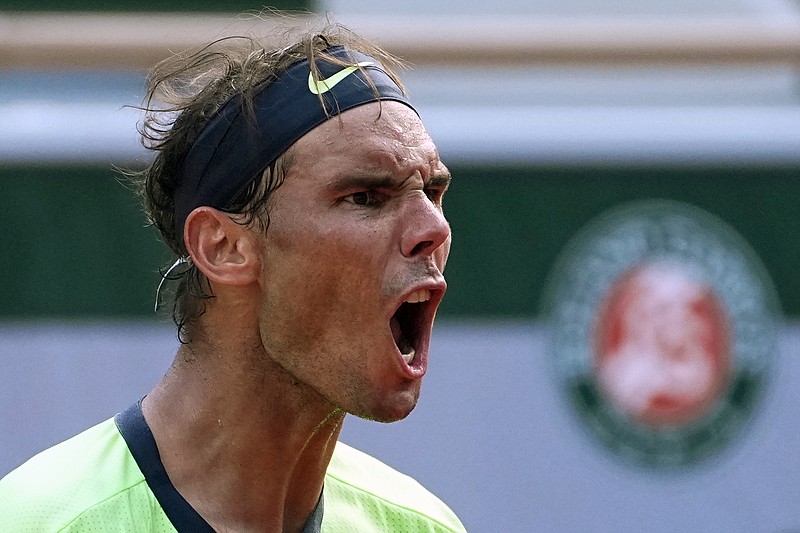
x: 422, y: 295
x: 408, y: 357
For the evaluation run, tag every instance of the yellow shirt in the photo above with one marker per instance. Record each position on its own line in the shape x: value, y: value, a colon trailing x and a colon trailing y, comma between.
x: 93, y: 483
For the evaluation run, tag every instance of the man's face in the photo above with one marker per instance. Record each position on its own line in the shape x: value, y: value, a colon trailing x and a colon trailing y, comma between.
x: 353, y: 260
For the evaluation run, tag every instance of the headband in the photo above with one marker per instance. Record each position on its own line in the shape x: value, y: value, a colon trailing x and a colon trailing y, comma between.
x: 232, y: 150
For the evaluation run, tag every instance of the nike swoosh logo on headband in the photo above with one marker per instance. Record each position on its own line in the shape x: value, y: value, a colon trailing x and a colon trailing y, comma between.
x: 323, y: 86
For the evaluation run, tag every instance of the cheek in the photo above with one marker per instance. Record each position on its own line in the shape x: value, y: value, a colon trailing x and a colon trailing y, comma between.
x: 316, y: 290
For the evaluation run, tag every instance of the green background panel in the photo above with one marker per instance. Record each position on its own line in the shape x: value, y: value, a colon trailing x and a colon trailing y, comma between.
x: 228, y: 6
x: 74, y: 241
x: 510, y: 223
x: 74, y: 244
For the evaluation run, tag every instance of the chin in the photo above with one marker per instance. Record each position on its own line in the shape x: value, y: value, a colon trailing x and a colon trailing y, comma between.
x: 387, y: 411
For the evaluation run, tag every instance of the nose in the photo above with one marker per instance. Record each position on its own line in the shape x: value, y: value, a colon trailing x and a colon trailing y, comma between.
x: 426, y: 229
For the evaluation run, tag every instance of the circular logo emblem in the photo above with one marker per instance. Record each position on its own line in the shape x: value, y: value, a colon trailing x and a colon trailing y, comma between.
x: 662, y: 324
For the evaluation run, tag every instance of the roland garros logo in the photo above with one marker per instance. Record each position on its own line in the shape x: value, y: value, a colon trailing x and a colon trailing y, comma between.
x: 663, y: 330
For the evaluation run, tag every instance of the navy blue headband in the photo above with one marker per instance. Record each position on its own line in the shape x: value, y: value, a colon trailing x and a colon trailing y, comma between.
x: 232, y: 151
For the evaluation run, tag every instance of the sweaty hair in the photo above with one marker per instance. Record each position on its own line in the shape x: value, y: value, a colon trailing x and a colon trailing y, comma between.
x: 184, y: 92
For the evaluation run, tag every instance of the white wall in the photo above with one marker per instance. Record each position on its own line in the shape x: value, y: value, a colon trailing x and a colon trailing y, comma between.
x: 493, y: 435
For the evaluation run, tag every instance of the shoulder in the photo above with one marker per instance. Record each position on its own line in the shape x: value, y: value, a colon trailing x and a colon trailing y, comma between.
x: 369, y: 492
x: 74, y: 485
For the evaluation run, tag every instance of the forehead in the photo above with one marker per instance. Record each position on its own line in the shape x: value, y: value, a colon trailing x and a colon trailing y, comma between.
x: 386, y: 135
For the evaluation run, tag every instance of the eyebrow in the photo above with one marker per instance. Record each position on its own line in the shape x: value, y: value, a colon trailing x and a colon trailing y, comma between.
x: 384, y: 181
x: 440, y: 180
x: 364, y: 181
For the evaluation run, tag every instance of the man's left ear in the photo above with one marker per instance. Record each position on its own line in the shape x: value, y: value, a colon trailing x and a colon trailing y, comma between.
x: 225, y: 251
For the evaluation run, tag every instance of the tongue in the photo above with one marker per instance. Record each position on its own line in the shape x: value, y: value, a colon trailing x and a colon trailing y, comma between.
x: 397, y: 333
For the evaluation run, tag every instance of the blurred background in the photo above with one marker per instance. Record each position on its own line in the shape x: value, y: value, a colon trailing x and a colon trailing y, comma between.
x: 550, y: 115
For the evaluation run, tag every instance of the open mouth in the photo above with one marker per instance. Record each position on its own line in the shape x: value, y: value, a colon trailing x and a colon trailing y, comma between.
x: 407, y: 323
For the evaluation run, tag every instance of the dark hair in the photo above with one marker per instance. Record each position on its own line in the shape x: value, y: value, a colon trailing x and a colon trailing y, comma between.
x: 184, y: 92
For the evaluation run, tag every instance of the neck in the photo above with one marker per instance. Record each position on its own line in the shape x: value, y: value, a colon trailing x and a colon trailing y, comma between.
x: 241, y: 440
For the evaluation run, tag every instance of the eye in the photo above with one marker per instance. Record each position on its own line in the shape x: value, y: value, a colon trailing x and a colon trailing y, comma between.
x: 360, y: 198
x: 365, y: 198
x: 434, y: 194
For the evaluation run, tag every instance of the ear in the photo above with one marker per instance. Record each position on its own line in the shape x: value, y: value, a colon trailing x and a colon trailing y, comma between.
x: 226, y: 252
